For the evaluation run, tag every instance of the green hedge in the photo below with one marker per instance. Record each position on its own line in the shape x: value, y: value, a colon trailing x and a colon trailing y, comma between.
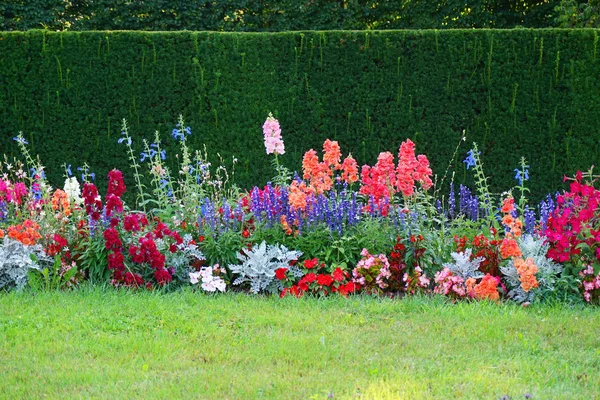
x: 533, y: 93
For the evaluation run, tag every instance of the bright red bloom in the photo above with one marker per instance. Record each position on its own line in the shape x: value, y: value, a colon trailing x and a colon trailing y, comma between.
x: 338, y: 275
x: 310, y: 264
x: 324, y: 280
x: 280, y: 273
x: 131, y: 223
x: 113, y: 203
x: 309, y: 278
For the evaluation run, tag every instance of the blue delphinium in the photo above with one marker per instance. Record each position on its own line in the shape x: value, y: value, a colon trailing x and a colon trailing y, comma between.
x: 451, y: 201
x: 529, y: 215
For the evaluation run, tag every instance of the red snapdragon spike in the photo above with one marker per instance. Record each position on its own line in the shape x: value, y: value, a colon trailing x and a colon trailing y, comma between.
x: 116, y: 185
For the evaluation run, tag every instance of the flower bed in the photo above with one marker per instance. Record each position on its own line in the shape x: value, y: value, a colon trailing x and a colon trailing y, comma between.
x: 331, y: 229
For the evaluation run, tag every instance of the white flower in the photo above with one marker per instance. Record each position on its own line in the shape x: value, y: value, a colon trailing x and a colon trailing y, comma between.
x: 194, y: 277
x: 210, y: 283
x: 73, y: 190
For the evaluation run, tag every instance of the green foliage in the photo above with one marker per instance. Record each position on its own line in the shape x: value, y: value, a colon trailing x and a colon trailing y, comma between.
x: 531, y: 93
x: 578, y: 14
x: 92, y: 258
x: 280, y: 15
x: 51, y: 277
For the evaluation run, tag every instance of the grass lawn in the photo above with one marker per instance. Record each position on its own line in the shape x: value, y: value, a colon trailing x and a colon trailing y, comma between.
x: 108, y: 344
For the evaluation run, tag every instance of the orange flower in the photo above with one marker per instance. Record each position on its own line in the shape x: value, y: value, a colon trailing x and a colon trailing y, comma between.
x: 527, y: 270
x: 508, y: 205
x: 60, y: 200
x: 508, y: 220
x: 487, y: 288
x: 284, y: 224
x: 1, y: 234
x: 26, y: 233
x: 310, y: 164
x: 349, y: 170
x: 509, y: 247
x: 514, y: 224
x: 470, y: 284
x: 332, y: 154
x: 297, y: 195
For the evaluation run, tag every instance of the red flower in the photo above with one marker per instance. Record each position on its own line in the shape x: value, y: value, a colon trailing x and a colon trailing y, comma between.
x: 91, y: 200
x: 338, y: 275
x: 133, y: 279
x: 245, y: 234
x: 113, y: 203
x: 162, y: 276
x: 116, y: 260
x: 116, y: 185
x: 295, y: 291
x: 111, y: 236
x: 310, y: 264
x: 131, y: 223
x: 348, y: 288
x: 324, y: 280
x: 280, y: 273
x: 309, y: 278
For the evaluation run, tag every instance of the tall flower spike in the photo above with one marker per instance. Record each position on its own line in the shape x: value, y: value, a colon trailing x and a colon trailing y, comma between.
x: 272, y: 132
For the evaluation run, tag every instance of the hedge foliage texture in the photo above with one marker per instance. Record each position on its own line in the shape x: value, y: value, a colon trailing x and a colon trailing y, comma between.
x: 532, y: 93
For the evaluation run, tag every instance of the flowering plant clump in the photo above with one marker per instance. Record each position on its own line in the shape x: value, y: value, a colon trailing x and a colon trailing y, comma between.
x: 316, y: 280
x: 487, y: 250
x: 533, y: 275
x: 195, y: 227
x: 591, y: 285
x: 573, y: 228
x: 384, y: 179
x: 26, y: 232
x: 407, y: 276
x: 486, y: 289
x: 209, y: 278
x: 371, y: 273
x: 450, y: 285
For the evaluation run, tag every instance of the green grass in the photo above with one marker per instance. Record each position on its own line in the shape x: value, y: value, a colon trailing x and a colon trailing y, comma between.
x: 109, y: 344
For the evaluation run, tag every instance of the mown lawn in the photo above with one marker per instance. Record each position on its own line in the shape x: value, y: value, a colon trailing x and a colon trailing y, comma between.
x: 108, y: 344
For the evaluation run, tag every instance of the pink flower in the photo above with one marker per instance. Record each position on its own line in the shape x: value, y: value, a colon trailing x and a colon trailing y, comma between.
x: 272, y: 133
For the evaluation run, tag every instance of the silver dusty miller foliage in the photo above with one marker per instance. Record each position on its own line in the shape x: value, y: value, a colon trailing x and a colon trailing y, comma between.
x: 16, y: 260
x: 463, y: 266
x: 258, y: 266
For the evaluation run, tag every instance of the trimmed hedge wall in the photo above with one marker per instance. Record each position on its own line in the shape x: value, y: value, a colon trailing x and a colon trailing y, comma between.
x: 533, y: 93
